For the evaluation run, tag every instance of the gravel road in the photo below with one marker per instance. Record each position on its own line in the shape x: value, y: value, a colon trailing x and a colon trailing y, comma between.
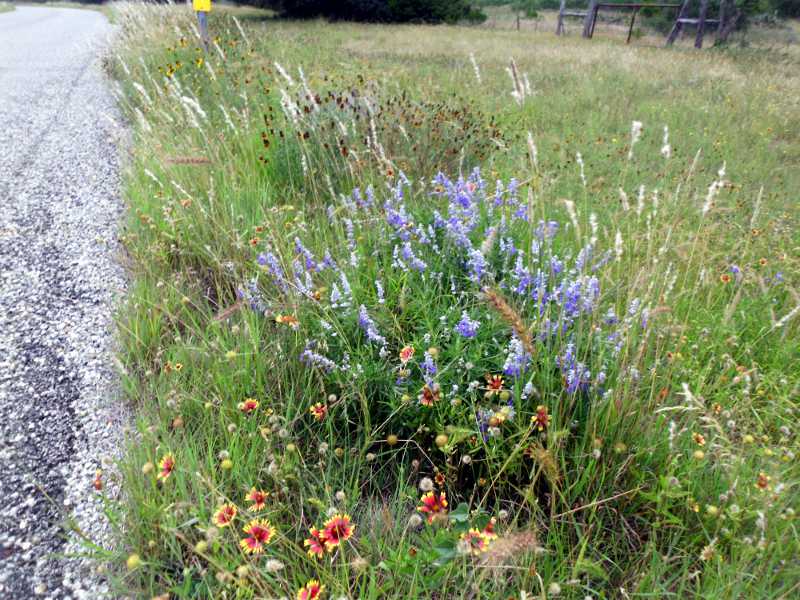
x: 60, y: 414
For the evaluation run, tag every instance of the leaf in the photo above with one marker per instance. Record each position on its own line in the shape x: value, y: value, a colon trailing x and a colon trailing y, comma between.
x: 591, y: 568
x: 481, y: 520
x: 445, y: 553
x: 460, y: 514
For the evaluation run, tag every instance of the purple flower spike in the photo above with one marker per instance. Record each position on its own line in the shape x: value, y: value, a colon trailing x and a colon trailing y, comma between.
x: 467, y: 327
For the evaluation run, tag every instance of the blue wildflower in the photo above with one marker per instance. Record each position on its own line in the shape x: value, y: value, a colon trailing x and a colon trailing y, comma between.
x: 301, y: 250
x: 429, y: 369
x: 467, y: 327
x: 274, y: 268
x: 517, y: 359
x: 310, y: 357
x: 379, y: 291
x: 412, y: 259
x: 477, y: 266
x: 251, y: 294
x: 368, y: 325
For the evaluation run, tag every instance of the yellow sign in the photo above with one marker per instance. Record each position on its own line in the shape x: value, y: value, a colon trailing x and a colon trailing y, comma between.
x: 201, y: 5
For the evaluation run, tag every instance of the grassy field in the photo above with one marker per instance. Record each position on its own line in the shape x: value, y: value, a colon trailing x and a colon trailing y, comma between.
x: 457, y: 312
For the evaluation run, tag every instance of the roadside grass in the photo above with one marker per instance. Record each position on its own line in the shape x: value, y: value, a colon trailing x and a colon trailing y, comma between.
x: 6, y: 7
x: 643, y: 438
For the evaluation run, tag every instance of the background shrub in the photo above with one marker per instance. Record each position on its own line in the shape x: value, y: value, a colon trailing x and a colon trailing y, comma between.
x: 429, y: 11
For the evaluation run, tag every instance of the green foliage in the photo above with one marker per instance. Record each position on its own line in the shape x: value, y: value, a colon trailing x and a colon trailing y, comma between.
x: 785, y: 8
x: 430, y: 11
x: 528, y: 8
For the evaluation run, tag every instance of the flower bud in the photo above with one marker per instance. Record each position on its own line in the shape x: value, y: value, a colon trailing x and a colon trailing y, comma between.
x: 134, y: 562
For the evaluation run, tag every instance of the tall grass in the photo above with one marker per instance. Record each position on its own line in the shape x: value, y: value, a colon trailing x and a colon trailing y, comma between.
x: 305, y: 205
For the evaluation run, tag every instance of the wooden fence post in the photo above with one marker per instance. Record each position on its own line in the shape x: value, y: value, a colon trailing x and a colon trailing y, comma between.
x: 588, y: 21
x: 560, y: 26
x: 723, y: 5
x: 676, y: 28
x: 701, y: 24
x: 729, y: 23
x: 630, y: 29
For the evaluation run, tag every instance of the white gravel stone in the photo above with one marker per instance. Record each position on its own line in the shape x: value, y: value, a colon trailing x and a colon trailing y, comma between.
x: 60, y: 409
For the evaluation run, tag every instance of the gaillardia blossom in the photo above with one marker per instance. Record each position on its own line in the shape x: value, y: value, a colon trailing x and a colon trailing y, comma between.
x: 166, y: 466
x: 312, y: 590
x: 259, y: 534
x: 339, y: 528
x: 494, y: 384
x: 248, y: 406
x: 474, y: 541
x: 433, y: 504
x: 489, y: 531
x: 429, y: 395
x: 257, y: 498
x: 289, y: 320
x: 224, y: 515
x: 319, y: 411
x: 315, y: 543
x: 406, y: 354
x: 541, y: 419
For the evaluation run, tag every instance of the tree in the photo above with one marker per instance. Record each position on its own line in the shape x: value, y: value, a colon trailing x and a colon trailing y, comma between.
x: 428, y: 11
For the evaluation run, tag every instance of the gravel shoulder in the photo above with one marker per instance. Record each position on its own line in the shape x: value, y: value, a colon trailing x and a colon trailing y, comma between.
x: 61, y: 417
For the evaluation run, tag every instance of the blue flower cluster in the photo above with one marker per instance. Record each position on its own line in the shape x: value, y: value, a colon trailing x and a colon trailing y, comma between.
x: 461, y: 240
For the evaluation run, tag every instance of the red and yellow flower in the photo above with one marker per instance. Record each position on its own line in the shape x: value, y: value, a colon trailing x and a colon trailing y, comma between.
x: 315, y: 543
x: 224, y: 515
x: 312, y: 590
x: 339, y: 528
x: 166, y: 466
x: 257, y: 498
x: 494, y: 384
x: 319, y: 411
x: 474, y: 541
x: 259, y: 534
x: 541, y: 420
x: 433, y: 504
x: 489, y: 531
x: 248, y: 406
x: 289, y: 320
x: 429, y: 395
x: 406, y: 354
